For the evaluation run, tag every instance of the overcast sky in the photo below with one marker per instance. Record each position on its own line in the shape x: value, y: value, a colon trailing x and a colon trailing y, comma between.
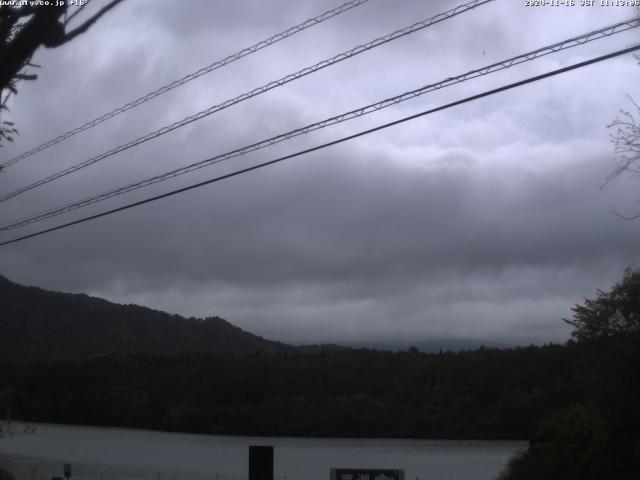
x: 486, y: 221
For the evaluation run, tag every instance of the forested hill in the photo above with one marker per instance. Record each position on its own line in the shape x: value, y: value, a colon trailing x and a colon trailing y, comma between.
x: 37, y: 324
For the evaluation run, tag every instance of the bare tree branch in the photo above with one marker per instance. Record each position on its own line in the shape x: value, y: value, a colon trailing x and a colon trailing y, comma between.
x: 78, y: 10
x: 24, y: 29
x: 25, y: 76
x: 626, y: 141
x: 624, y: 217
x: 85, y: 26
x: 25, y: 11
x: 43, y: 27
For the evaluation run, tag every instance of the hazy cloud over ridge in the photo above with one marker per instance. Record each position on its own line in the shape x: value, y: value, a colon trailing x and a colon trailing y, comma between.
x: 486, y: 221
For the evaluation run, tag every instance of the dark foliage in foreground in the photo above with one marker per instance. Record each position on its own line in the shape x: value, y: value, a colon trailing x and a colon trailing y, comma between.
x: 485, y: 393
x: 4, y: 475
x: 599, y: 436
x: 579, y: 404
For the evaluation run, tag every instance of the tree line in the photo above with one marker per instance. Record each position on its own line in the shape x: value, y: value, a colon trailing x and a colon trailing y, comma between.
x: 577, y: 403
x: 487, y: 393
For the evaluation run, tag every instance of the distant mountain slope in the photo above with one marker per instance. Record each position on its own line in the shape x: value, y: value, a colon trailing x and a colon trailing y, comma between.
x: 37, y: 324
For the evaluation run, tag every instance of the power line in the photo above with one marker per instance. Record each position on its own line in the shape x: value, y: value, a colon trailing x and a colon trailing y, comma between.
x: 257, y: 91
x: 504, y: 64
x: 192, y: 76
x: 328, y: 144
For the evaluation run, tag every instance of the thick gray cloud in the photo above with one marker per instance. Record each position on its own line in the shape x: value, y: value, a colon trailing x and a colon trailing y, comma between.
x: 486, y: 221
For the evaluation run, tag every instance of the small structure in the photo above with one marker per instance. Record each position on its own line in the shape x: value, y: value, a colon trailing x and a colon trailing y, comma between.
x: 260, y: 463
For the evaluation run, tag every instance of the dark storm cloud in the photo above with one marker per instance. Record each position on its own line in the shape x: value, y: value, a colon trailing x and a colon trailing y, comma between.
x: 486, y: 221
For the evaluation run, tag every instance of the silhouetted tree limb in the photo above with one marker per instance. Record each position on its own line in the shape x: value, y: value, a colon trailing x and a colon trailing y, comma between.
x: 87, y: 23
x: 43, y: 28
x: 626, y: 141
x: 25, y: 29
x: 78, y: 10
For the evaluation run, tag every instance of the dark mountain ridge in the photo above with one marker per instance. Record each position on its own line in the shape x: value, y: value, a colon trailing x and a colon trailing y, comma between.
x: 38, y: 324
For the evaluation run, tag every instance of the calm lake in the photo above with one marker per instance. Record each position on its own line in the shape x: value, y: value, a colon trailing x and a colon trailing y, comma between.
x: 115, y: 453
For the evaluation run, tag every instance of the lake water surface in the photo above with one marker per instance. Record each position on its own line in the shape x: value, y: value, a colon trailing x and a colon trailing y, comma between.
x: 115, y: 453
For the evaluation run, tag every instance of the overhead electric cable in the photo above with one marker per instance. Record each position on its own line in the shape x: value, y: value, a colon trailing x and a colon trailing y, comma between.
x: 328, y: 144
x: 192, y: 76
x: 494, y: 67
x: 257, y: 91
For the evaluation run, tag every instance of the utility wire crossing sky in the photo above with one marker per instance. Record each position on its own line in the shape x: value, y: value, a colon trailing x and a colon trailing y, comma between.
x: 254, y: 92
x: 483, y: 222
x: 344, y: 139
x: 191, y: 76
x: 495, y: 67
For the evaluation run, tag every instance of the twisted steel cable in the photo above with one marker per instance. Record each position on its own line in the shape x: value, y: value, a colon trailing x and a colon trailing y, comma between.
x: 331, y: 143
x: 257, y: 91
x: 359, y: 112
x: 192, y: 76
